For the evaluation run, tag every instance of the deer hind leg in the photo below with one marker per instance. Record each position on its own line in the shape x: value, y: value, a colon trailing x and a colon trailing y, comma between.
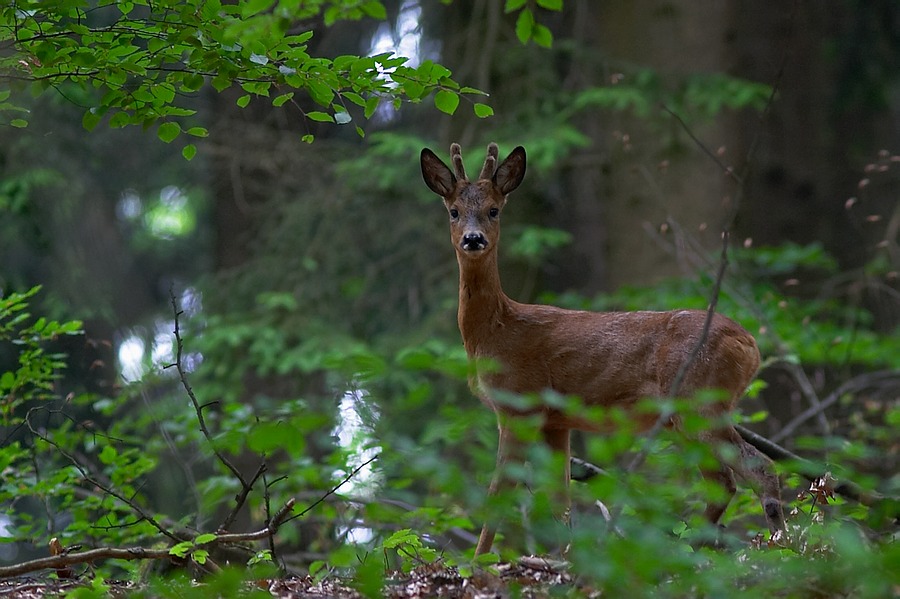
x: 507, y: 448
x: 754, y: 468
x: 758, y: 470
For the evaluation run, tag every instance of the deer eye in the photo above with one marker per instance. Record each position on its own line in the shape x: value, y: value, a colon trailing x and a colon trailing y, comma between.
x: 454, y: 213
x: 494, y: 212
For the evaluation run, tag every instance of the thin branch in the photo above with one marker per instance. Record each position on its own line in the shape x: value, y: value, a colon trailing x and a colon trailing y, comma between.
x: 666, y: 414
x: 810, y: 471
x: 82, y: 557
x: 94, y: 481
x: 241, y: 498
x: 855, y: 384
x: 246, y: 486
x: 712, y: 156
x: 334, y: 489
x: 135, y: 553
x: 809, y: 392
x: 710, y: 312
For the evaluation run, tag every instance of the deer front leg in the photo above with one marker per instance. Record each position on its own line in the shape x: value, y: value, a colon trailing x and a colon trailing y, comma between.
x: 506, y: 449
x: 558, y: 440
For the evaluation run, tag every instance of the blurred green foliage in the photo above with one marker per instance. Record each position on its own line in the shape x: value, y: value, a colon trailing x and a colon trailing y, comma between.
x: 146, y: 60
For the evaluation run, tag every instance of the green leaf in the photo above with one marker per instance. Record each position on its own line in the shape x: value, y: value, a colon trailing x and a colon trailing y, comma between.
x: 205, y: 538
x: 20, y: 123
x: 189, y: 151
x: 7, y: 381
x: 221, y: 82
x: 371, y: 106
x: 168, y: 131
x: 512, y: 5
x: 483, y: 110
x: 355, y: 98
x: 320, y: 92
x: 250, y: 8
x: 280, y: 100
x: 525, y: 25
x: 446, y: 101
x: 542, y: 35
x: 308, y: 138
x: 322, y: 117
x: 192, y: 82
x: 404, y: 536
x: 269, y: 436
x: 550, y: 4
x: 375, y: 10
x: 181, y: 549
x: 198, y: 132
x: 210, y: 10
x: 413, y: 89
x: 243, y: 101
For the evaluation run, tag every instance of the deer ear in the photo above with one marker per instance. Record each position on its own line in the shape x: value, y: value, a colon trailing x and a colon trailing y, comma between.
x: 511, y: 171
x: 437, y: 176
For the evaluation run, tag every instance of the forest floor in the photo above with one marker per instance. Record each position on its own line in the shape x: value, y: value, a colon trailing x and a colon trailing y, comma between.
x: 530, y: 577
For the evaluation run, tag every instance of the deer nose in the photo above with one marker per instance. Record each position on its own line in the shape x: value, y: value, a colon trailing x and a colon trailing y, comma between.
x: 472, y: 242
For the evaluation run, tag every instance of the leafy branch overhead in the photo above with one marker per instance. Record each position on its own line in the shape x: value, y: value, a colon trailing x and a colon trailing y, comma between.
x: 143, y: 63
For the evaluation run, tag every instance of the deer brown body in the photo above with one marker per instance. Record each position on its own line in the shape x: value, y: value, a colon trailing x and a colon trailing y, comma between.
x: 609, y: 359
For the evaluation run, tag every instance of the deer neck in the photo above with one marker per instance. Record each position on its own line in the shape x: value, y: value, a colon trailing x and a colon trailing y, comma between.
x: 482, y: 304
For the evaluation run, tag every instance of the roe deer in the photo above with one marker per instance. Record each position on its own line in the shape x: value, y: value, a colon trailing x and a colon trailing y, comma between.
x: 605, y: 358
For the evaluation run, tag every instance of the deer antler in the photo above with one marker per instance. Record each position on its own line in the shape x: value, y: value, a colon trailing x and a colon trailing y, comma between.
x: 456, y: 158
x: 490, y: 163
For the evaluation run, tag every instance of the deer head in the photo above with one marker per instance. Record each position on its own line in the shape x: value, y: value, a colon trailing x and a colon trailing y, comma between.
x: 474, y: 206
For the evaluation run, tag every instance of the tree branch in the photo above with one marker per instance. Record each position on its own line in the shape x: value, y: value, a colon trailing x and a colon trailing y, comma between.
x: 135, y: 553
x: 246, y: 486
x: 334, y: 489
x: 808, y: 469
x: 857, y: 383
x: 94, y: 481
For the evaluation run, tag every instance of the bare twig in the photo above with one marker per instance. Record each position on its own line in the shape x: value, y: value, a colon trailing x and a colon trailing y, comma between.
x: 694, y: 254
x: 241, y: 497
x: 666, y: 413
x: 246, y: 486
x: 334, y: 489
x: 135, y: 553
x: 739, y: 180
x: 809, y: 392
x: 710, y: 312
x: 690, y: 133
x: 93, y: 480
x: 808, y: 469
x: 82, y: 557
x: 185, y: 466
x: 857, y: 383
